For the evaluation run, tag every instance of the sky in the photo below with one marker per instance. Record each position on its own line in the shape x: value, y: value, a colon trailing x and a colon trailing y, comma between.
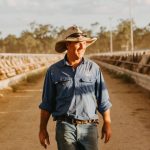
x: 16, y: 15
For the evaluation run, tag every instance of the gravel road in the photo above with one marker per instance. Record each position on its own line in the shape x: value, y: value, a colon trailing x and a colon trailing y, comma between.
x: 19, y: 117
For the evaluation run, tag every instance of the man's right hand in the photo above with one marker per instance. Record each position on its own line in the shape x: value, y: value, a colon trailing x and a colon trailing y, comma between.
x: 44, y: 138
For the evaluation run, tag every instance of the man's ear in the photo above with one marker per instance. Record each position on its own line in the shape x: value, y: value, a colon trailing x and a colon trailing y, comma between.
x: 67, y: 44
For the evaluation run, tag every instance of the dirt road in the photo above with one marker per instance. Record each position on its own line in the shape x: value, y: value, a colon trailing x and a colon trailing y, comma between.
x: 19, y: 117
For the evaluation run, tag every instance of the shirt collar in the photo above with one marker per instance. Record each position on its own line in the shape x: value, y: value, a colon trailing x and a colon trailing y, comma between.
x: 66, y: 61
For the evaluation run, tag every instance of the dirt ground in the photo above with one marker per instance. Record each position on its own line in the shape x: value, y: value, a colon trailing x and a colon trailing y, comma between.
x: 19, y: 117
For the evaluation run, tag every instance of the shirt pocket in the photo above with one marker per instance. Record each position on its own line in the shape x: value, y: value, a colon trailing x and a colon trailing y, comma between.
x: 88, y: 83
x: 87, y: 80
x: 63, y: 87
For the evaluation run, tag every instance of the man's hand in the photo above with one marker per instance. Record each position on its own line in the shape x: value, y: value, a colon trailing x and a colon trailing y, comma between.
x: 43, y: 134
x: 44, y: 138
x: 106, y: 131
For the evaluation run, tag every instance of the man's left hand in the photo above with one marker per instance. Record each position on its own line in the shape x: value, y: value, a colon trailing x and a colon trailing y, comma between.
x: 106, y: 131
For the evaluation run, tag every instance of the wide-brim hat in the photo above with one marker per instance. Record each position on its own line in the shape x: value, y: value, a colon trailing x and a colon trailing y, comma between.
x: 72, y: 34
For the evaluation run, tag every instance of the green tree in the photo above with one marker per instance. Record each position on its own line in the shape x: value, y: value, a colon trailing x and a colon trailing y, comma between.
x: 122, y: 38
x: 10, y: 43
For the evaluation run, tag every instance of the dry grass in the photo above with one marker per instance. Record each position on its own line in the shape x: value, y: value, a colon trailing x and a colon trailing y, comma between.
x: 32, y: 78
x: 124, y: 77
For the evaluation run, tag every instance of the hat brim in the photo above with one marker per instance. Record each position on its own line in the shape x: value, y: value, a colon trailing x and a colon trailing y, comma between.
x: 60, y: 46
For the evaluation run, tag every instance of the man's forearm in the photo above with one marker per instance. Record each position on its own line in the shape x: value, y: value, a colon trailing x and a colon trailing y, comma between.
x: 106, y: 116
x: 45, y: 115
x: 106, y: 129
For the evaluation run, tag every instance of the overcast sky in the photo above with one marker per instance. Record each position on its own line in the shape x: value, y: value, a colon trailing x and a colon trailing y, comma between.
x: 15, y: 15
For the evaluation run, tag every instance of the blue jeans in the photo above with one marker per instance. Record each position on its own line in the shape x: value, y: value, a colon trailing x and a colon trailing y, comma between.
x: 76, y: 137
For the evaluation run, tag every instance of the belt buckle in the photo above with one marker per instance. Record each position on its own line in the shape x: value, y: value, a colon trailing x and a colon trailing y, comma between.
x: 73, y: 121
x: 95, y: 121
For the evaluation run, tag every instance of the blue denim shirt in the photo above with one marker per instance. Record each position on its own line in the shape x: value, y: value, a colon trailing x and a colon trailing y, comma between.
x: 78, y: 93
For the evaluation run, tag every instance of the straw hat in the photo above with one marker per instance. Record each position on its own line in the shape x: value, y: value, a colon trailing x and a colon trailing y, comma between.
x: 72, y: 34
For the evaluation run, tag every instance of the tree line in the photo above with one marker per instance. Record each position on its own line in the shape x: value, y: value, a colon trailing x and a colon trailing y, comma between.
x: 42, y: 38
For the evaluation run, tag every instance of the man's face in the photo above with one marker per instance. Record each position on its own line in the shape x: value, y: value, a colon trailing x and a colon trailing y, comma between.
x: 76, y: 49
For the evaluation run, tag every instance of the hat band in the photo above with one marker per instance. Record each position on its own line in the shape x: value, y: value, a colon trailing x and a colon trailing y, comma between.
x: 76, y: 35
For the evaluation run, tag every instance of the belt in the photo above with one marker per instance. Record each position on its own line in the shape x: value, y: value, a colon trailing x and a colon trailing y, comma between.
x: 75, y: 121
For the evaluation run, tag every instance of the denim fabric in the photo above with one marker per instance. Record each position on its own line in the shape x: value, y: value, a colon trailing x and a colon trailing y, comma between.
x: 78, y: 93
x: 76, y: 137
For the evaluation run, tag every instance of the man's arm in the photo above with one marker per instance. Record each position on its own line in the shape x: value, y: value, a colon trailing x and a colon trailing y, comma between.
x: 106, y: 129
x: 104, y: 105
x: 43, y: 134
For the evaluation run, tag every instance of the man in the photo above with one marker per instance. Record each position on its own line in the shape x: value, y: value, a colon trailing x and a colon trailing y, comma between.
x: 74, y: 90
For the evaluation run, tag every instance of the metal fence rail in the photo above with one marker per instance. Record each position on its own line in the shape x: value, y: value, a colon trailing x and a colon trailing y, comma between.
x: 123, y: 53
x: 135, y: 62
x: 136, y: 65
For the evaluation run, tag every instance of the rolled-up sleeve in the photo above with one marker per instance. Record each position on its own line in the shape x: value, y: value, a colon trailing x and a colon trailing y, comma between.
x: 48, y: 96
x: 102, y: 95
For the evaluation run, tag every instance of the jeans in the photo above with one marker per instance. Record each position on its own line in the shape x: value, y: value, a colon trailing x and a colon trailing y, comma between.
x: 76, y: 137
